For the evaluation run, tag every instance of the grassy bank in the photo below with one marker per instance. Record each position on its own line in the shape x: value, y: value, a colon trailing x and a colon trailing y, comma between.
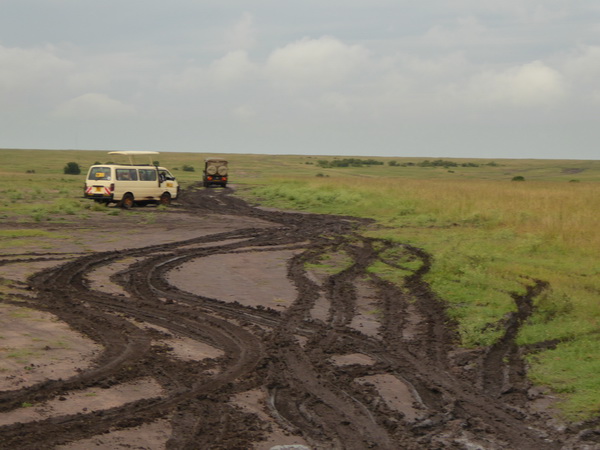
x: 489, y: 239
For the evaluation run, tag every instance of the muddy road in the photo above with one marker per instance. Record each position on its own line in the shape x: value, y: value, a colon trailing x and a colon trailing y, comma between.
x: 224, y: 326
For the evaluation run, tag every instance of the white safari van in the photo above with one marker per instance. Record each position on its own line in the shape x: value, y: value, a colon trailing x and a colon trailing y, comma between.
x: 130, y: 183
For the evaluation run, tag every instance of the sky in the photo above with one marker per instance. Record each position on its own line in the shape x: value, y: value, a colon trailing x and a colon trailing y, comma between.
x: 434, y: 78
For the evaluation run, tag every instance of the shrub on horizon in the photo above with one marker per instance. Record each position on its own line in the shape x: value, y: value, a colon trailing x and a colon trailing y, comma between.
x: 72, y: 168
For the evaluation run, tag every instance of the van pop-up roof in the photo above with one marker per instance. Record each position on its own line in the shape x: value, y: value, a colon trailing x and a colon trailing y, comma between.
x: 131, y: 154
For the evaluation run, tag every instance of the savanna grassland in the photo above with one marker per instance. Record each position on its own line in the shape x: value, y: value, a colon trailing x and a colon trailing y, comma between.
x: 493, y: 227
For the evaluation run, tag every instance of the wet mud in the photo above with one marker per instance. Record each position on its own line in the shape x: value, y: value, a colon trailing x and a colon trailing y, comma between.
x: 339, y: 359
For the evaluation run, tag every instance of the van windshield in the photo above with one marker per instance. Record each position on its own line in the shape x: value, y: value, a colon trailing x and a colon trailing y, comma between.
x: 99, y: 173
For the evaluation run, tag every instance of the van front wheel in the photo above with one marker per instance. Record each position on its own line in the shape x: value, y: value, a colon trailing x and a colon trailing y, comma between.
x: 127, y: 201
x: 165, y: 199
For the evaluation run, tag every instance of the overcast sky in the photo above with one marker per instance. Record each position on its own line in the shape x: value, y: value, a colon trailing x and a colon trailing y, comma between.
x: 435, y: 78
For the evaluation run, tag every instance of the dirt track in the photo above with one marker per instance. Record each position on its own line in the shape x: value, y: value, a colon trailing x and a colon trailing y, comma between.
x: 280, y: 350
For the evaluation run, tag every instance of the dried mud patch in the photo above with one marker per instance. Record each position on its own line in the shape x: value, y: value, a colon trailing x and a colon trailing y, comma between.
x: 87, y: 400
x: 150, y: 436
x: 35, y: 346
x: 250, y: 279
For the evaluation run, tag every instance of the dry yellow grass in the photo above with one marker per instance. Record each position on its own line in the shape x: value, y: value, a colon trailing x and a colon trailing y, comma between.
x: 563, y: 213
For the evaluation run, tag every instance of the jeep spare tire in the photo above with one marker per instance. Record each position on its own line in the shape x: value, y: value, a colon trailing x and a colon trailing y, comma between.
x: 222, y: 170
x: 211, y: 170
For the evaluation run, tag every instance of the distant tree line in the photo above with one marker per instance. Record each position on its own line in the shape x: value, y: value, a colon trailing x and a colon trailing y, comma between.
x: 440, y: 163
x: 356, y: 162
x: 348, y: 162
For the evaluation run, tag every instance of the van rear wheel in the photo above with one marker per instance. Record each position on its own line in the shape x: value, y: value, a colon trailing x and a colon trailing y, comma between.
x: 127, y: 201
x: 165, y: 199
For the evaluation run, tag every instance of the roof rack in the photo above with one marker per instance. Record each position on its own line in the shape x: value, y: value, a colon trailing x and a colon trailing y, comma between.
x: 132, y: 153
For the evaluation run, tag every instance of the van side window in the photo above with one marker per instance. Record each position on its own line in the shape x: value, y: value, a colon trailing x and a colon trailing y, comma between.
x: 99, y: 173
x: 126, y: 174
x: 147, y: 174
x: 166, y: 175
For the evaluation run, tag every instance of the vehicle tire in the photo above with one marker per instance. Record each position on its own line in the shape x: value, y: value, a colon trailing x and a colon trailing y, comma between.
x: 127, y: 201
x: 165, y: 199
x: 222, y: 170
x: 211, y: 170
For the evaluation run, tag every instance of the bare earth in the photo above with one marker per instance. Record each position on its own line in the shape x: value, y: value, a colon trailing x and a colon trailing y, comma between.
x: 216, y: 325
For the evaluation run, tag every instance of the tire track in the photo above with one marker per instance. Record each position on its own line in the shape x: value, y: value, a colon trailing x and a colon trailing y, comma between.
x: 287, y: 354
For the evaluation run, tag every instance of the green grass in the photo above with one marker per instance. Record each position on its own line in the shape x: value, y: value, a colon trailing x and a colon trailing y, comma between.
x: 489, y: 236
x: 489, y: 239
x: 579, y: 388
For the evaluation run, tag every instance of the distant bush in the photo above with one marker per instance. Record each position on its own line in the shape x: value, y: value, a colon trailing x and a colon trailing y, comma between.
x: 437, y: 163
x: 187, y: 168
x: 30, y: 171
x: 518, y: 178
x: 348, y: 162
x: 72, y: 168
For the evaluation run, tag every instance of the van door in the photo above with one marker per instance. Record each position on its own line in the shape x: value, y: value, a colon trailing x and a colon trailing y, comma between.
x: 148, y: 185
x: 126, y: 181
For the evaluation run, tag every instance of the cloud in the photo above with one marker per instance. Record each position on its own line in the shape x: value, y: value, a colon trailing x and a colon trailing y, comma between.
x: 526, y: 12
x: 583, y: 64
x: 242, y: 34
x: 22, y: 70
x: 233, y: 68
x: 244, y: 112
x: 337, y: 102
x: 582, y: 67
x: 93, y: 106
x: 465, y: 31
x: 319, y: 62
x: 531, y: 84
x: 189, y: 80
x: 363, y: 68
